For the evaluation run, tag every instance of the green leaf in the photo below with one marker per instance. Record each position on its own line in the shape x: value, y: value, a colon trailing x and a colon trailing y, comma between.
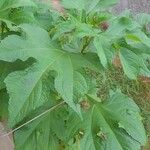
x: 40, y: 68
x: 83, y: 30
x: 83, y: 86
x: 64, y: 27
x: 118, y: 26
x: 75, y: 28
x: 39, y: 132
x: 104, y: 4
x: 133, y: 62
x: 87, y: 4
x: 143, y: 18
x: 142, y: 38
x: 8, y: 4
x: 46, y: 130
x: 6, y: 11
x: 94, y: 97
x: 78, y: 4
x: 110, y: 125
x: 7, y: 68
x: 80, y: 86
x: 33, y: 81
x: 99, y: 43
x: 22, y: 15
x: 145, y: 71
x: 4, y: 97
x: 130, y: 63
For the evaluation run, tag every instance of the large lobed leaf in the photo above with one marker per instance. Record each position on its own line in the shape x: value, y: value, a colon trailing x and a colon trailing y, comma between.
x: 40, y: 131
x: 113, y: 124
x: 28, y: 88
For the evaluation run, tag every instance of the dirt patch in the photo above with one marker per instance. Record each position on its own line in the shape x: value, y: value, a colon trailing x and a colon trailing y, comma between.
x: 6, y: 142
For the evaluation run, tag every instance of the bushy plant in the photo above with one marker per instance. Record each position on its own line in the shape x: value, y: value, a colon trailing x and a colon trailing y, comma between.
x: 50, y: 101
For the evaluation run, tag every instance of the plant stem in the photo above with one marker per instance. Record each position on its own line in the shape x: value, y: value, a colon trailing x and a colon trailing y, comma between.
x: 33, y: 119
x: 2, y: 29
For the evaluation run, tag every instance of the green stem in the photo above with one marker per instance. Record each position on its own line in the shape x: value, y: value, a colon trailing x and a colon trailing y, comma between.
x: 33, y: 119
x: 2, y: 29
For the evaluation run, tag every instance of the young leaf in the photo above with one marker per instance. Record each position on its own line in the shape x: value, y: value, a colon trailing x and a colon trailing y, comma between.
x: 118, y: 26
x: 99, y: 43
